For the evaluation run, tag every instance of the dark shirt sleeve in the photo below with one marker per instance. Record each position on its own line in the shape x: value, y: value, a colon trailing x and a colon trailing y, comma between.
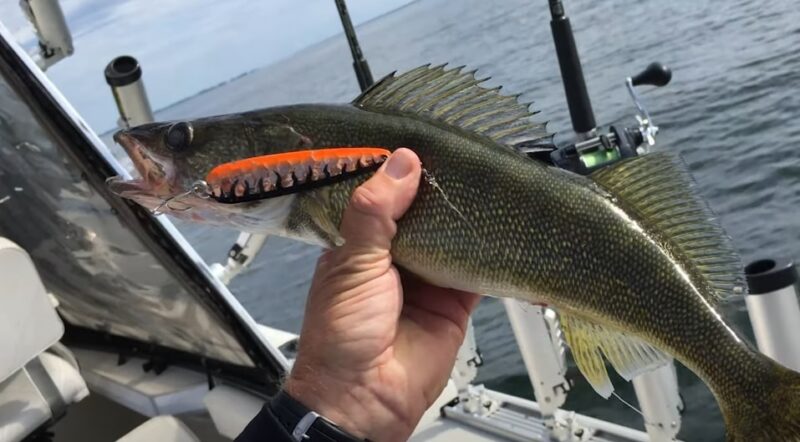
x: 264, y: 427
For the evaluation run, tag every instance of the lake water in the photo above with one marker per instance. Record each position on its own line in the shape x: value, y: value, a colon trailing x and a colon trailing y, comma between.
x: 730, y: 110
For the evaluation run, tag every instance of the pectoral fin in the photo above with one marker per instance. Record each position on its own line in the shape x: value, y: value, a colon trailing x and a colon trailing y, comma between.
x: 590, y: 342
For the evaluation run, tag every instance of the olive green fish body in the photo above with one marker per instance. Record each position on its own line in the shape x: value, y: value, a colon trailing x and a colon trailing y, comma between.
x: 508, y: 226
x: 629, y: 257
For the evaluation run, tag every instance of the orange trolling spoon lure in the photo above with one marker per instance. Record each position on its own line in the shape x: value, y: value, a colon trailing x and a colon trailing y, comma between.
x: 269, y: 176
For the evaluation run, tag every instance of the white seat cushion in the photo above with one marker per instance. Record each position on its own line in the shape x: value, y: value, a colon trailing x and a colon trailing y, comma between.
x: 24, y: 404
x: 162, y: 429
x: 67, y: 379
x: 22, y: 408
x: 28, y: 321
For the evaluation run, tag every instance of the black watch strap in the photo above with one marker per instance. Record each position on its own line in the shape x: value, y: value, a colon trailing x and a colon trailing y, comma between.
x: 290, y: 413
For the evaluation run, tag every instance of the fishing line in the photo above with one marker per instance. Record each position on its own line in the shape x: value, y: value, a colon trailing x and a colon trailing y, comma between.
x: 431, y: 180
x: 627, y: 403
x: 614, y: 393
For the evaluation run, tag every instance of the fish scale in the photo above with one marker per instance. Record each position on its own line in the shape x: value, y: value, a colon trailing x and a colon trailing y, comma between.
x: 630, y: 257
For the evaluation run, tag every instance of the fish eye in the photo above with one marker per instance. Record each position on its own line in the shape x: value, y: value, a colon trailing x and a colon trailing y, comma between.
x: 178, y: 136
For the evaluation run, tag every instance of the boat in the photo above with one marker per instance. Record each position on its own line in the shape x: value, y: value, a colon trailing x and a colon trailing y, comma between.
x: 112, y: 327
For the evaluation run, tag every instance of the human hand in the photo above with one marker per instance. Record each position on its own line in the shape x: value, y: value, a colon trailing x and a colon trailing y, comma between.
x: 376, y: 348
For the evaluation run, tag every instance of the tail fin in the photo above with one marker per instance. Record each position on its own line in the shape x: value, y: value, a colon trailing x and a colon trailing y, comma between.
x: 767, y: 410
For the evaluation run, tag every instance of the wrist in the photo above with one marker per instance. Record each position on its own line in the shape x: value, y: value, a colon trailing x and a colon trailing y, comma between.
x: 304, y: 424
x: 329, y: 399
x: 350, y: 404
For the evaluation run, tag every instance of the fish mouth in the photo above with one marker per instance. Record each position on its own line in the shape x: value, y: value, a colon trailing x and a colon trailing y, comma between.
x: 153, y: 170
x: 157, y: 182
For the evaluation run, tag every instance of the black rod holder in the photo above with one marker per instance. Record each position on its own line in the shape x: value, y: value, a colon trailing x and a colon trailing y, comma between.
x: 580, y: 107
x: 360, y: 65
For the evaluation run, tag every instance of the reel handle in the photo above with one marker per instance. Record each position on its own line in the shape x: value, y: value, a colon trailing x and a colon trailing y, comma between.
x: 655, y: 74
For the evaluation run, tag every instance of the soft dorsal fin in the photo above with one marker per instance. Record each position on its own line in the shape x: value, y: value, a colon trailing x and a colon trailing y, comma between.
x: 657, y: 191
x: 590, y: 343
x: 455, y: 98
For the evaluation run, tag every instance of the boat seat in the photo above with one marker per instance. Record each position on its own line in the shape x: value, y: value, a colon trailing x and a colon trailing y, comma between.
x: 37, y: 395
x: 35, y: 386
x: 162, y: 429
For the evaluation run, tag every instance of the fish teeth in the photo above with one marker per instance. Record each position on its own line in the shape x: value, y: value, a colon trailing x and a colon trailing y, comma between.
x: 283, y: 169
x: 240, y: 189
x: 254, y: 182
x: 335, y: 167
x: 317, y: 171
x: 269, y: 181
x: 226, y: 188
x: 349, y: 165
x: 287, y: 180
x: 283, y: 172
x: 265, y: 177
x: 300, y: 173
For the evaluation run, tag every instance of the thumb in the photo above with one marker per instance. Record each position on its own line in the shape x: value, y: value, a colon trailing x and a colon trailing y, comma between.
x: 369, y: 219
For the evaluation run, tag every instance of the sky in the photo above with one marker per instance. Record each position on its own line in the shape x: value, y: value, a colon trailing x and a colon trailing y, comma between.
x: 184, y: 46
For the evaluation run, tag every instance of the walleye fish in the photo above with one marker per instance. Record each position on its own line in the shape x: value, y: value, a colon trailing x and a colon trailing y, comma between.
x: 630, y: 257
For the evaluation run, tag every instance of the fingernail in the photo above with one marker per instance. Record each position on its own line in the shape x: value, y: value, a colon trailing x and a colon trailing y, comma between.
x: 399, y: 165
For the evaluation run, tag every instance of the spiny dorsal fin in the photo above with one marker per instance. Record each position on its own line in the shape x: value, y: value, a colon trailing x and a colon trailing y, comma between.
x: 589, y: 342
x: 455, y: 98
x: 657, y: 191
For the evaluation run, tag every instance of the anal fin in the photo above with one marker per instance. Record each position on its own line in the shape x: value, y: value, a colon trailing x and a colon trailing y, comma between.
x: 592, y: 344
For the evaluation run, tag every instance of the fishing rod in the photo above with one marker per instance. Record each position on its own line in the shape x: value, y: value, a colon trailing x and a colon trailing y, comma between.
x: 580, y: 106
x: 596, y: 147
x: 363, y: 74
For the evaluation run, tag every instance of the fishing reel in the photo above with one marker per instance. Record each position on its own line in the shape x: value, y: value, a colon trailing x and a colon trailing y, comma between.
x: 604, y: 146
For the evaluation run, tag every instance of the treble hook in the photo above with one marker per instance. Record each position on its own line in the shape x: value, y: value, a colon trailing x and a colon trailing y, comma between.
x: 199, y: 189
